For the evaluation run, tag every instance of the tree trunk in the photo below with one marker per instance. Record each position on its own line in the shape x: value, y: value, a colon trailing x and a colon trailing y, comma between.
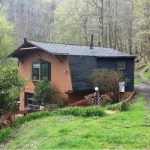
x: 110, y: 28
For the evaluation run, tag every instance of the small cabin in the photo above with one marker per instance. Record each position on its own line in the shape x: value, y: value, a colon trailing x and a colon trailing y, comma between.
x: 68, y: 67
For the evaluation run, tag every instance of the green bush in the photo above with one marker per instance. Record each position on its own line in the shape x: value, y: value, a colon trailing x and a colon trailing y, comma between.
x: 11, y: 99
x: 44, y: 92
x: 9, y: 80
x: 116, y: 106
x: 52, y: 107
x: 107, y: 80
x: 121, y: 106
x: 5, y: 133
x: 81, y: 111
x: 124, y: 106
x: 105, y: 101
x: 62, y: 101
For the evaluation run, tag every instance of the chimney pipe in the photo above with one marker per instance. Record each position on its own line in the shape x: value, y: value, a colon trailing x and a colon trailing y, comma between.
x: 91, y: 45
x: 25, y: 40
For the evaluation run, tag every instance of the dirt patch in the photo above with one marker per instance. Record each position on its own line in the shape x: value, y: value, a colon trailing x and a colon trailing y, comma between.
x: 110, y: 112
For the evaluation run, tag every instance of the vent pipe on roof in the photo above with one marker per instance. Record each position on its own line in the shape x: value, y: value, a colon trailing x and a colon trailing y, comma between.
x: 25, y: 40
x: 91, y: 45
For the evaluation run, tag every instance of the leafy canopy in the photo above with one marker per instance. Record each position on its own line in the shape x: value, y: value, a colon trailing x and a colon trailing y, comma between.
x: 6, y: 39
x: 9, y: 80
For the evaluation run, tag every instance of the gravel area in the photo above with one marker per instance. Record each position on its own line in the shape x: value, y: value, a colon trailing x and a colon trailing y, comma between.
x: 144, y: 89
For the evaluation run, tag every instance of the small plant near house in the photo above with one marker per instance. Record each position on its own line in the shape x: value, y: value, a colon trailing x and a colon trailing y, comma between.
x: 116, y: 106
x: 62, y: 101
x: 47, y: 95
x: 52, y: 107
x: 124, y: 106
x: 44, y: 92
x: 12, y: 98
x: 121, y: 106
x: 105, y: 99
x: 108, y: 82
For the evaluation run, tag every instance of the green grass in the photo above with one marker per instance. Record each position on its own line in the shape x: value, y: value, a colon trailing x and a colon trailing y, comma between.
x: 123, y: 130
x: 7, y: 132
x: 89, y: 111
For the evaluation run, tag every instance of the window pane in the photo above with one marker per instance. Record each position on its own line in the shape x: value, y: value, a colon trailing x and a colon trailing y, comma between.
x: 36, y: 65
x: 40, y: 70
x: 121, y: 65
x: 28, y: 98
x: 44, y: 71
x: 35, y: 74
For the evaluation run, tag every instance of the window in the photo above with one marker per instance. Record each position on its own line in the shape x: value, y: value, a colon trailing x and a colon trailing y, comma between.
x: 121, y: 65
x: 28, y: 98
x: 41, y: 70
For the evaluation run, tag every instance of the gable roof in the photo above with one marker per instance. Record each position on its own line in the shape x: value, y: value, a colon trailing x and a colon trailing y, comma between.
x: 76, y: 50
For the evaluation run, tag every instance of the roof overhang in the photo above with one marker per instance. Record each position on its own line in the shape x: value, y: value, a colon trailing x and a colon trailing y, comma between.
x: 29, y: 46
x: 24, y: 49
x: 130, y: 56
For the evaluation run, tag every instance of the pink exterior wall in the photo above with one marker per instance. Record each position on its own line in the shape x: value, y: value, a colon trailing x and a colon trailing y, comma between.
x: 60, y: 72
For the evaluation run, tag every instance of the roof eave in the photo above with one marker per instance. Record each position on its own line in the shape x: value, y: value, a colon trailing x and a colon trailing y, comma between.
x: 13, y: 53
x: 130, y: 56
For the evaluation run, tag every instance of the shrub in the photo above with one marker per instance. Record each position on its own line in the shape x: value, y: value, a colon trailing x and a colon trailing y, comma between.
x: 121, y: 106
x: 105, y: 99
x: 9, y: 79
x: 52, y: 107
x: 62, y: 101
x: 5, y: 133
x: 81, y: 111
x: 44, y: 92
x: 116, y: 106
x: 108, y: 81
x: 11, y: 99
x: 124, y: 106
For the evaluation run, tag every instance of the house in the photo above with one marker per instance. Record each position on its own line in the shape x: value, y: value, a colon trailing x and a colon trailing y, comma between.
x: 68, y: 67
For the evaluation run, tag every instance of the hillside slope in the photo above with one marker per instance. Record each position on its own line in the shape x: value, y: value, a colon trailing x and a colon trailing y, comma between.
x: 142, y: 73
x: 125, y: 130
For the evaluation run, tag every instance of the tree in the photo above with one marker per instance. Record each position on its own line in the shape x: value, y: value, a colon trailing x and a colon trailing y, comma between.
x: 6, y: 40
x: 118, y: 24
x: 108, y: 81
x: 9, y: 80
x: 43, y: 92
x: 141, y: 14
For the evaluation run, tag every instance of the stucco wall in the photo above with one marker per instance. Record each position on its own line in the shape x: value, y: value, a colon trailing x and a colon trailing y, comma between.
x: 60, y: 72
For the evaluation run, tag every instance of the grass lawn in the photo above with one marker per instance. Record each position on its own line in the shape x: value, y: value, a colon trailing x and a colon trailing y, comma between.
x: 123, y: 130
